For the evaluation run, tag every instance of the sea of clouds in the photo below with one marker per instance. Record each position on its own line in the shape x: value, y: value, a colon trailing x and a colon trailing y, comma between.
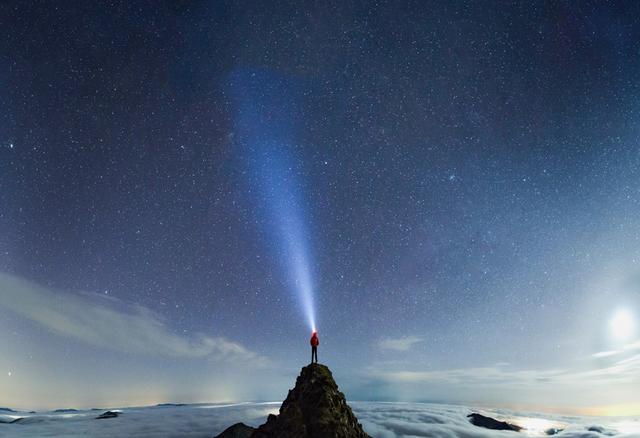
x: 380, y: 420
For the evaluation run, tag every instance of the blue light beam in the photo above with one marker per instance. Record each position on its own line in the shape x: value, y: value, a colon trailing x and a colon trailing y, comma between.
x: 266, y: 112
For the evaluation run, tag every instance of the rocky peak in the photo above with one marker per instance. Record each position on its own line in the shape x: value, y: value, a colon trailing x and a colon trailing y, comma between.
x: 315, y: 408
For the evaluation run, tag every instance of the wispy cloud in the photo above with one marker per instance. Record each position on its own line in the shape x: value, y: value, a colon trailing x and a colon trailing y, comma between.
x: 633, y: 346
x: 399, y: 344
x: 618, y: 366
x: 108, y: 323
x: 628, y: 368
x: 602, y: 354
x: 606, y: 382
x: 467, y: 375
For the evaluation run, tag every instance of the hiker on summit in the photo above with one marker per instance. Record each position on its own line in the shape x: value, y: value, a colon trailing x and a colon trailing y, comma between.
x: 314, y: 346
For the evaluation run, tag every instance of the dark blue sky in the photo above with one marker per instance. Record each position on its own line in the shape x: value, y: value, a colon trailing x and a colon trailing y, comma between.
x: 460, y: 181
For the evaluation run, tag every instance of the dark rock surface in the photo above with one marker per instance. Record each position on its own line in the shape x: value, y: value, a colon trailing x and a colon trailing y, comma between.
x: 108, y: 414
x: 491, y: 423
x: 238, y: 430
x: 315, y: 408
x: 601, y: 430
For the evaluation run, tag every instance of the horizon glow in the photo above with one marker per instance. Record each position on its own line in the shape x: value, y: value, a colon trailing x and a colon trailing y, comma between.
x: 265, y: 111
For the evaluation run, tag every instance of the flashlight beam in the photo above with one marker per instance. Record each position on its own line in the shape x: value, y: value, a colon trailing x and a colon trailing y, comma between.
x: 265, y: 113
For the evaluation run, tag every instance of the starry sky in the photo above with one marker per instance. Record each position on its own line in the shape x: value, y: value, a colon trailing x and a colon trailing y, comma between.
x: 450, y: 190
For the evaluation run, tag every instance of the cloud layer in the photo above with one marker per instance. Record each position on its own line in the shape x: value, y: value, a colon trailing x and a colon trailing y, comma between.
x: 601, y: 383
x: 624, y: 370
x: 101, y: 321
x: 380, y: 420
x: 400, y: 420
x: 399, y: 344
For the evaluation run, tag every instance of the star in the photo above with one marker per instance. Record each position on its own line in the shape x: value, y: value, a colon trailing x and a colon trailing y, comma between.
x: 201, y: 167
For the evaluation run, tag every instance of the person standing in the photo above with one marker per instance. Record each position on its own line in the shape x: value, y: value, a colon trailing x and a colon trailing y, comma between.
x: 314, y: 346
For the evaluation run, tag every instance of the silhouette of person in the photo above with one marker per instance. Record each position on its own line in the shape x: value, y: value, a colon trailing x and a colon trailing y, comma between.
x: 314, y: 346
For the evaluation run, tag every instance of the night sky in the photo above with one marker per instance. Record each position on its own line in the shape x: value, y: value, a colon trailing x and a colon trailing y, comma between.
x: 452, y: 189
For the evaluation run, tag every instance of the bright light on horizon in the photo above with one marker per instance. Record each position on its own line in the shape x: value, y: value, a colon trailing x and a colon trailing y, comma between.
x: 536, y: 426
x: 622, y: 325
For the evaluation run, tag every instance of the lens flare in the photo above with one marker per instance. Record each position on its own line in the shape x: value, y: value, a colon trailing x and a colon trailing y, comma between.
x: 266, y: 111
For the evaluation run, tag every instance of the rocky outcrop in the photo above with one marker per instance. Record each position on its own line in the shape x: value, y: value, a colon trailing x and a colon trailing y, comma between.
x: 108, y: 414
x: 315, y: 408
x: 238, y: 430
x: 601, y: 430
x: 492, y: 423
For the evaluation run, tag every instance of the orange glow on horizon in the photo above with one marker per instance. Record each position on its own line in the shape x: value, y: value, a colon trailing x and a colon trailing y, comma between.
x: 617, y: 410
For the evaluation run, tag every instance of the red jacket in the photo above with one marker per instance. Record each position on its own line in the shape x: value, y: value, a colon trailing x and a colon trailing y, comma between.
x: 314, y: 340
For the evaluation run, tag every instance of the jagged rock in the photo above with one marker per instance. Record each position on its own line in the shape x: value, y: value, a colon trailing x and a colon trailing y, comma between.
x: 108, y: 414
x: 315, y: 408
x: 491, y: 423
x: 238, y: 430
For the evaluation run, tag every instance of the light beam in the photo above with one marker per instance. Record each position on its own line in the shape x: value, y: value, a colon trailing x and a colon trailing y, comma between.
x: 265, y: 114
